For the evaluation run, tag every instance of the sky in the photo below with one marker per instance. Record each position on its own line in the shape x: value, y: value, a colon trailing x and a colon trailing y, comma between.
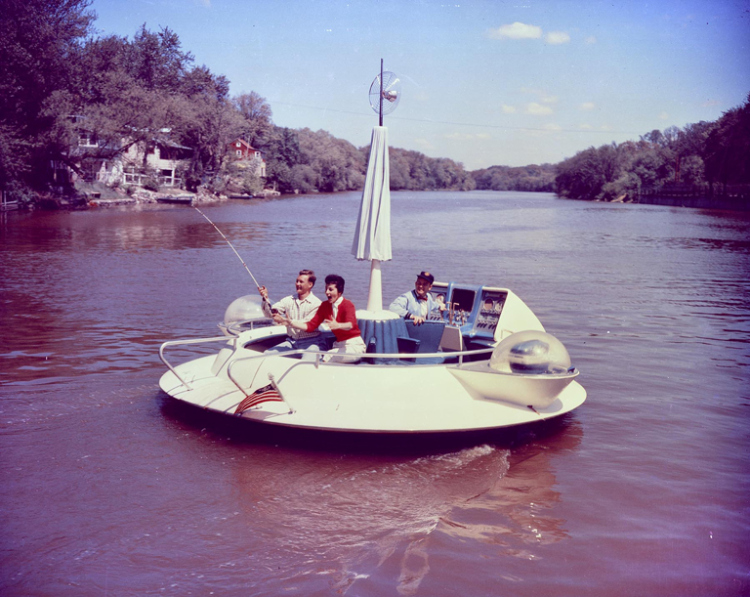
x: 483, y: 82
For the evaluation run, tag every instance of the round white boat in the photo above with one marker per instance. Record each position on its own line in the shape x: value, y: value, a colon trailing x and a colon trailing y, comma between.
x: 479, y: 374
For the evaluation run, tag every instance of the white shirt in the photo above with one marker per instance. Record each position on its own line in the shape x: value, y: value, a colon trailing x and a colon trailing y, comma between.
x: 295, y: 309
x: 335, y: 306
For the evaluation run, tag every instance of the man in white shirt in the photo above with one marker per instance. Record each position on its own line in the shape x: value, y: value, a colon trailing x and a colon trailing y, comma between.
x: 302, y: 307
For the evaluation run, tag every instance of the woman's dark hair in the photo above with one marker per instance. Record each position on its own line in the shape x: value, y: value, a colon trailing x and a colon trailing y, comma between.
x: 337, y: 280
x: 310, y: 275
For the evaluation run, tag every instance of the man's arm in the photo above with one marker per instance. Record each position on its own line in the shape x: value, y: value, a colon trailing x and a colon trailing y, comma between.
x: 268, y: 308
x: 399, y: 305
x: 313, y: 311
x: 312, y: 324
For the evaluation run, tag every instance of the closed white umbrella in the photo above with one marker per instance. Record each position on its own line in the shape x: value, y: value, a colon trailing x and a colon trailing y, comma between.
x: 372, y: 236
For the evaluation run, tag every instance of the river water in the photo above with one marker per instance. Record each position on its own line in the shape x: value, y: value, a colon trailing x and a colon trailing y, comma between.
x: 111, y: 488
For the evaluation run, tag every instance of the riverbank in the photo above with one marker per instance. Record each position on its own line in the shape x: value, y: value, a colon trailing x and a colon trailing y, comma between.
x: 729, y: 203
x: 97, y: 195
x: 738, y: 203
x: 699, y: 196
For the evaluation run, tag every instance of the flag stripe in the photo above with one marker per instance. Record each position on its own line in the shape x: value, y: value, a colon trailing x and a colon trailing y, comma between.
x: 265, y: 394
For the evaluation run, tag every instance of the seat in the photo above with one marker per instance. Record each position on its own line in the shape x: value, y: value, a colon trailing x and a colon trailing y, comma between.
x: 428, y: 334
x: 408, y: 345
x: 452, y: 339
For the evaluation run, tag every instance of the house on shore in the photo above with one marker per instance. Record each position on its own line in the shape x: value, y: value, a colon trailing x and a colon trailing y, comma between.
x: 122, y: 162
x: 239, y: 149
x: 163, y: 157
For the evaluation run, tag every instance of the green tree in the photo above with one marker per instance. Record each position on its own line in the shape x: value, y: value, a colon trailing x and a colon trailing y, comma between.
x: 257, y: 115
x: 727, y: 157
x: 39, y: 46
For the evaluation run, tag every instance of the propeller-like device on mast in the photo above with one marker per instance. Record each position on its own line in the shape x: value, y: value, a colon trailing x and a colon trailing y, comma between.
x: 385, y: 93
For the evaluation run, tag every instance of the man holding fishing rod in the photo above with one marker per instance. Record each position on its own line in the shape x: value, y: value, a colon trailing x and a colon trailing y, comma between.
x: 302, y: 307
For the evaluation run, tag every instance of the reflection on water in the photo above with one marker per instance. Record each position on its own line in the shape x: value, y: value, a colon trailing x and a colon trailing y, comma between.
x: 365, y: 520
x: 642, y: 490
x: 351, y: 519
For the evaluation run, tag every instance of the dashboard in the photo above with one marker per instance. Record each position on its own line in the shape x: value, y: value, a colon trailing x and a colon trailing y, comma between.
x: 476, y: 309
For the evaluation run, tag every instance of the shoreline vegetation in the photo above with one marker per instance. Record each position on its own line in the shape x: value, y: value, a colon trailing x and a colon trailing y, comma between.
x: 82, y: 115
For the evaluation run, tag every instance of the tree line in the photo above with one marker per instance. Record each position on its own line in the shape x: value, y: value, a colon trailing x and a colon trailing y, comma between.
x: 710, y: 158
x: 60, y: 83
x: 532, y: 178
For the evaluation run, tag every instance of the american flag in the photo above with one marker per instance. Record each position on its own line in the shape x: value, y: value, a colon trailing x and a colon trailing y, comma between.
x: 269, y: 393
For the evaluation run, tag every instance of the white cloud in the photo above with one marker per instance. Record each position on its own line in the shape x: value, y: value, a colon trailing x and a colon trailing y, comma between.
x: 538, y: 109
x: 509, y: 109
x: 586, y: 127
x: 516, y: 31
x: 552, y: 127
x: 590, y: 40
x: 557, y: 37
x: 424, y: 143
x: 664, y: 116
x: 206, y: 3
x: 587, y: 106
x: 543, y: 95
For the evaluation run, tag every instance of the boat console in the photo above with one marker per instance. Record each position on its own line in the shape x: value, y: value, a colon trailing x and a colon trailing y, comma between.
x: 479, y: 311
x: 475, y: 309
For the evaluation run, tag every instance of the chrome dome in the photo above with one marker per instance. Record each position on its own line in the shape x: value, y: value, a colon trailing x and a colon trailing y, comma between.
x: 530, y: 352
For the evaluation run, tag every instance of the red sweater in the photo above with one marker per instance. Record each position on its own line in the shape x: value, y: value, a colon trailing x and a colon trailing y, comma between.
x: 347, y: 312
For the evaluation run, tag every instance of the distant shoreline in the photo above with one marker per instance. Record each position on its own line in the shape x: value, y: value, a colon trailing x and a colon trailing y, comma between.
x: 141, y: 197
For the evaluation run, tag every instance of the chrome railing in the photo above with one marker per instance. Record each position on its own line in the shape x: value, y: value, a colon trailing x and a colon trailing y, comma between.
x: 315, y: 357
x: 166, y: 345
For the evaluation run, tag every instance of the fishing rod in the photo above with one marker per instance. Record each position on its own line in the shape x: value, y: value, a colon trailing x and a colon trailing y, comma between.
x: 230, y: 245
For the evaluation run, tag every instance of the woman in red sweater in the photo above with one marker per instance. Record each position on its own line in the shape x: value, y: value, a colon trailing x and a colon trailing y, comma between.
x: 340, y: 315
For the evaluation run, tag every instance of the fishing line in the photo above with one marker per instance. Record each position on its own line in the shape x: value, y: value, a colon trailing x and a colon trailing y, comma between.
x: 230, y: 244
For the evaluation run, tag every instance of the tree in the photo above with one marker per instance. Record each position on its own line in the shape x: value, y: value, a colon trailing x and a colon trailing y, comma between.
x: 583, y: 175
x: 257, y: 114
x: 727, y: 157
x: 156, y: 61
x: 39, y: 46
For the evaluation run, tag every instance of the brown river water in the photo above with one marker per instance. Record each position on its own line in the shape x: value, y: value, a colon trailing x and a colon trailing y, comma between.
x: 109, y: 487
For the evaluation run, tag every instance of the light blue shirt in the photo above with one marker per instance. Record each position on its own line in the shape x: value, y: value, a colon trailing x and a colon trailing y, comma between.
x: 408, y: 305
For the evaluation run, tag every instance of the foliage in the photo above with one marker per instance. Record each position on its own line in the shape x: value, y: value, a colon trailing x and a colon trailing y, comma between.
x: 60, y: 84
x: 526, y: 178
x: 704, y: 152
x: 727, y: 148
x: 39, y: 42
x: 414, y: 171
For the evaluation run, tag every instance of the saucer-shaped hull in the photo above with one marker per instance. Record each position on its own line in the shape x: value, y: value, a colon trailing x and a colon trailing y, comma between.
x: 367, y: 398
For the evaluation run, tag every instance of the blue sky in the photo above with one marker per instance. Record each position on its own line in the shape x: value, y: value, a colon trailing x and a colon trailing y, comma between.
x: 483, y: 82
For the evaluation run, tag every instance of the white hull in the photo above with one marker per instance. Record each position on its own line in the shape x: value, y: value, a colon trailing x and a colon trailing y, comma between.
x: 370, y: 398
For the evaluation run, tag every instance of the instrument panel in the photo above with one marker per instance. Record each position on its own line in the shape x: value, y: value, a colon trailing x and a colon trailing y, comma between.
x: 476, y: 309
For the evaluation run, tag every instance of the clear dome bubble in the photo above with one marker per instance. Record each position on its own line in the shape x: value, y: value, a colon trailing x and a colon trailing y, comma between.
x: 247, y: 309
x: 530, y: 352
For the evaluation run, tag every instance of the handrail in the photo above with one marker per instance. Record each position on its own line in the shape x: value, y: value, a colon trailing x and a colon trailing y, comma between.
x: 319, y: 355
x: 186, y: 342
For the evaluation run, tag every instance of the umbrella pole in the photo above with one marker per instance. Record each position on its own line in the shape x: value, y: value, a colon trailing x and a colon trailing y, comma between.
x: 380, y: 111
x: 375, y: 299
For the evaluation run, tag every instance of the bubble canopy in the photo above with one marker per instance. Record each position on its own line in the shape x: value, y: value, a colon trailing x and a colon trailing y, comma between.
x: 531, y: 352
x: 245, y: 310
